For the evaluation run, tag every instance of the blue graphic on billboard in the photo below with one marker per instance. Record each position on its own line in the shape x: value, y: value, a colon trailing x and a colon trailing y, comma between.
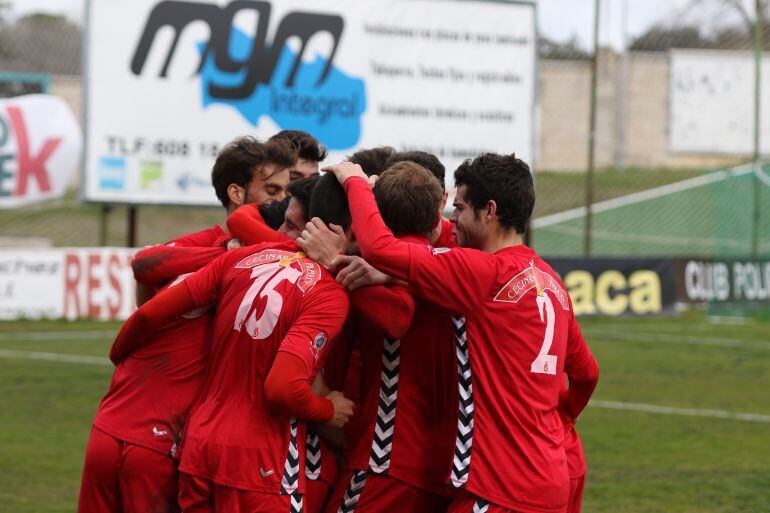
x: 260, y: 77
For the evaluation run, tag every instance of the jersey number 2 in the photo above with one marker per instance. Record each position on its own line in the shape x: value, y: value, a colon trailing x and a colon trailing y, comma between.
x: 265, y: 280
x: 545, y: 363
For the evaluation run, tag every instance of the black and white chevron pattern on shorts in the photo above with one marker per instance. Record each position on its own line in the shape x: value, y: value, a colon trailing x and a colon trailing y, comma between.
x: 462, y: 458
x: 313, y: 457
x: 290, y: 479
x: 296, y: 503
x: 481, y: 506
x: 379, y: 459
x: 353, y: 493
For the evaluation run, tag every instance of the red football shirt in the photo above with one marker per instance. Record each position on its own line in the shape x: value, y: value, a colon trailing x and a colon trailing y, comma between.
x: 152, y: 390
x: 446, y: 239
x: 269, y: 298
x: 409, y: 403
x: 515, y: 333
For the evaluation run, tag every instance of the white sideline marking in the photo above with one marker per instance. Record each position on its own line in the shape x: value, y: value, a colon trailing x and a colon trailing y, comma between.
x: 21, y: 336
x: 638, y: 197
x: 55, y: 357
x: 612, y: 405
x: 677, y: 339
x: 688, y: 412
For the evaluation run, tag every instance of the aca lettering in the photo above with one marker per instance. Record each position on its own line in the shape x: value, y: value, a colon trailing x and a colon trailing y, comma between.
x: 29, y: 166
x: 611, y: 293
x: 92, y: 285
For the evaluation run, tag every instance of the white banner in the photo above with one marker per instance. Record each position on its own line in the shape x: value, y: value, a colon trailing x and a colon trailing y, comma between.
x: 712, y: 102
x: 40, y: 146
x: 76, y: 283
x: 171, y: 82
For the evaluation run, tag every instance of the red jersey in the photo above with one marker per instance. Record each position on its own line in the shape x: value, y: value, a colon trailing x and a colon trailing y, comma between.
x: 152, y: 390
x: 515, y: 333
x: 446, y: 239
x: 269, y: 298
x: 409, y: 403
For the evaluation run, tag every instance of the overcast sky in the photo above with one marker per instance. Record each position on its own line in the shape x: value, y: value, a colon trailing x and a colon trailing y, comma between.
x: 558, y: 19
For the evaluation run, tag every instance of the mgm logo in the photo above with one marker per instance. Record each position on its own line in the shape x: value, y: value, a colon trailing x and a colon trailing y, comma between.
x: 258, y: 67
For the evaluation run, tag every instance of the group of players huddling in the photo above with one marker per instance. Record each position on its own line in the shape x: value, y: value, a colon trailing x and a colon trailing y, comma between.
x: 337, y: 346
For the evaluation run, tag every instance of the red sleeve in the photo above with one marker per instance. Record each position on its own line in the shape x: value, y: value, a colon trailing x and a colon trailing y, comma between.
x: 390, y: 309
x: 186, y: 254
x: 320, y: 320
x: 247, y: 224
x: 287, y: 388
x: 158, y: 264
x: 457, y: 279
x: 336, y: 364
x: 156, y: 312
x: 582, y: 371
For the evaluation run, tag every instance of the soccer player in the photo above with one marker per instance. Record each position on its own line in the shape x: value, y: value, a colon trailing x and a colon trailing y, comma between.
x: 515, y: 333
x: 397, y: 460
x: 131, y: 457
x: 441, y: 236
x: 277, y: 312
x: 310, y: 153
x: 373, y: 160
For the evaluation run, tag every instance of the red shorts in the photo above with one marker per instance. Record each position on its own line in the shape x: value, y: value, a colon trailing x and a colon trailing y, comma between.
x: 316, y: 495
x: 361, y: 491
x: 199, y: 495
x: 123, y: 477
x: 576, y: 485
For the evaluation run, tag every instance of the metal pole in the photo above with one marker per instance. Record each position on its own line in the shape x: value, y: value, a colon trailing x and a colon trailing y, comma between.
x: 620, y: 149
x: 104, y: 213
x: 131, y: 242
x: 757, y: 123
x: 592, y: 136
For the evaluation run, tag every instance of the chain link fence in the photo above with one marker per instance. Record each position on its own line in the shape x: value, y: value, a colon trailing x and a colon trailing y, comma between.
x: 659, y: 185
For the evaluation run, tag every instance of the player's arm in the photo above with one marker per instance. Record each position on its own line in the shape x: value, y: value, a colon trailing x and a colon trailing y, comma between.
x: 458, y: 279
x: 391, y: 308
x: 197, y: 290
x: 288, y: 384
x: 249, y: 227
x: 582, y: 371
x: 187, y: 254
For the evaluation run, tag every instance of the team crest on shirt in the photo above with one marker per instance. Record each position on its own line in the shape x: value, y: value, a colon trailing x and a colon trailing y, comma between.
x: 438, y: 251
x: 318, y: 343
x: 528, y: 279
x: 266, y: 256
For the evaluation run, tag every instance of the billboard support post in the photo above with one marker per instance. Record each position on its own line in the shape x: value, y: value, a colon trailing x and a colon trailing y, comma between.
x: 758, y: 25
x: 592, y: 137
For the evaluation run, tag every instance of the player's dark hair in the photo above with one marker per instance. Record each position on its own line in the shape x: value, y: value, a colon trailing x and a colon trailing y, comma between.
x: 302, y: 190
x: 329, y: 202
x: 427, y: 160
x: 273, y: 212
x: 408, y: 196
x: 504, y: 179
x: 307, y: 146
x: 373, y: 160
x: 242, y: 157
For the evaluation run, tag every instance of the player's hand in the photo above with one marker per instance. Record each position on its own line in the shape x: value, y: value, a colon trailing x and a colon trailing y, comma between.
x: 234, y: 244
x: 343, y: 409
x: 322, y: 243
x: 358, y: 273
x: 345, y: 170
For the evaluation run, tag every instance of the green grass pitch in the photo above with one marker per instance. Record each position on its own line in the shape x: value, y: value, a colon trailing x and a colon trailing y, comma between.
x: 639, y: 460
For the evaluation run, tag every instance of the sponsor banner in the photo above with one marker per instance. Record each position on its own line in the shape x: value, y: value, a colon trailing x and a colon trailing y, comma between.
x: 170, y: 82
x: 724, y: 281
x: 40, y: 145
x: 618, y: 286
x: 94, y: 283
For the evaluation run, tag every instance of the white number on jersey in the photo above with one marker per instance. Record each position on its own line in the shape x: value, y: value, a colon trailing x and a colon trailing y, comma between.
x: 545, y: 363
x: 266, y: 279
